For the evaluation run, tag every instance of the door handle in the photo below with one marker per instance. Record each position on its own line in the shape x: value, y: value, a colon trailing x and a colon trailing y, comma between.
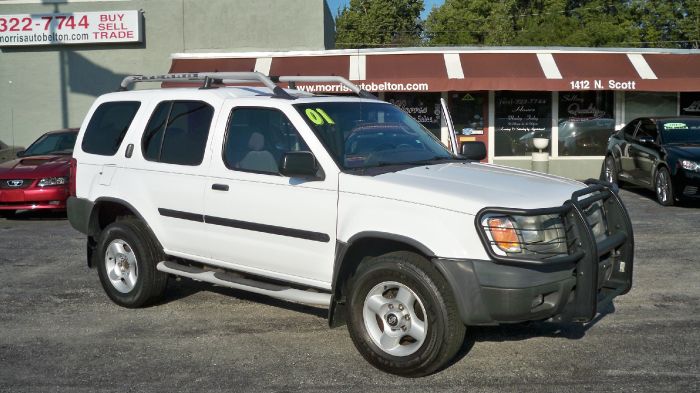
x: 219, y: 187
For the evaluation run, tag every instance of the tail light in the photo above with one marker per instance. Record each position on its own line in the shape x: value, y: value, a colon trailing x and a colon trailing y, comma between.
x: 72, y: 177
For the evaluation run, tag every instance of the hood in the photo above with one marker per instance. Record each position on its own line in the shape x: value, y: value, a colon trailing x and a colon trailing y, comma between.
x: 690, y: 151
x: 35, y: 167
x: 466, y: 187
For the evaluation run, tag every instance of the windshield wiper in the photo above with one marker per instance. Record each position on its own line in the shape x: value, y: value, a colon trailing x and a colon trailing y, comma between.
x: 420, y: 162
x: 430, y: 160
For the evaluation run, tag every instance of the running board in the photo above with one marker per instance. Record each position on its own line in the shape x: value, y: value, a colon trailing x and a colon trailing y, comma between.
x: 234, y: 281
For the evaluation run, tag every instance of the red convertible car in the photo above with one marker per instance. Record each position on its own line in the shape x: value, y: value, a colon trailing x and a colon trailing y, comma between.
x: 38, y: 177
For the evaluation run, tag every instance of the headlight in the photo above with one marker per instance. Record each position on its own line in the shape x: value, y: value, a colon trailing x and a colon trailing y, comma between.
x: 52, y: 181
x: 537, y: 236
x: 690, y: 165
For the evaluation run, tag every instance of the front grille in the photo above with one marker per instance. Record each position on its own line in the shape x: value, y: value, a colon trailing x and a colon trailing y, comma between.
x: 591, y: 233
x: 595, y: 216
x: 10, y: 184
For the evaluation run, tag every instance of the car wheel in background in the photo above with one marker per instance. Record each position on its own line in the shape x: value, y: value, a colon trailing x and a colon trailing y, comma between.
x: 609, y: 172
x: 403, y: 317
x: 126, y: 260
x: 663, y: 187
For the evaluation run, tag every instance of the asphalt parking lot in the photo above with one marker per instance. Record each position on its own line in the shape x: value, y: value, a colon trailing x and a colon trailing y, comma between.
x: 60, y: 332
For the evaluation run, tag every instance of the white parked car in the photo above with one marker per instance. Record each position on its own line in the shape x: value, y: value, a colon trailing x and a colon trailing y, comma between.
x: 340, y: 202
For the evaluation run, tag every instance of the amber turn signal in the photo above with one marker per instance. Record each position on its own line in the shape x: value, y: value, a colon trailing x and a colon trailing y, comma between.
x: 504, y: 234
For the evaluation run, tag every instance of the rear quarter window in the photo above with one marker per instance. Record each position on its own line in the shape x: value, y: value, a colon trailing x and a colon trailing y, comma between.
x: 177, y: 132
x: 108, y: 126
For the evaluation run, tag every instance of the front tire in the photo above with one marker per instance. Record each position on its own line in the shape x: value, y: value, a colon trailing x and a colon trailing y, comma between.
x: 403, y: 317
x: 663, y: 187
x: 126, y: 260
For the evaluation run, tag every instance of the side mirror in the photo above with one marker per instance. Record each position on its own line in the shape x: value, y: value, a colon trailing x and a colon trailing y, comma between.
x: 473, y: 150
x: 299, y: 164
x: 20, y: 153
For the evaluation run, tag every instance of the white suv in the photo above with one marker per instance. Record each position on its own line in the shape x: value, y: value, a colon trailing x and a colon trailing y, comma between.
x: 341, y: 202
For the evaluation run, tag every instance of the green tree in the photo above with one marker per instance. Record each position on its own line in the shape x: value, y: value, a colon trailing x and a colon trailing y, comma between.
x: 544, y: 23
x: 468, y: 22
x: 690, y: 25
x: 368, y: 23
x: 667, y: 23
x: 588, y: 23
x: 604, y: 23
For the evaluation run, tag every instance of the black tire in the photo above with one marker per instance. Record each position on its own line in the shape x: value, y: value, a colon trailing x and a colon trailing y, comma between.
x: 663, y: 187
x: 609, y: 172
x: 149, y: 284
x: 444, y: 331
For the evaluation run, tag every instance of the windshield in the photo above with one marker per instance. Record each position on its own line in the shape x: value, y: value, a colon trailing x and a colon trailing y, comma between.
x: 370, y: 134
x: 55, y: 143
x: 680, y: 130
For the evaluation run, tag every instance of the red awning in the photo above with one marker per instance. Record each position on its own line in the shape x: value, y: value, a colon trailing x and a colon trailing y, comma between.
x: 317, y: 65
x: 499, y: 71
x: 455, y: 70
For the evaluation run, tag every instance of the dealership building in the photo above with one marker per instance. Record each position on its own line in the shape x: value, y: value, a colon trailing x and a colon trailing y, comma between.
x: 505, y: 97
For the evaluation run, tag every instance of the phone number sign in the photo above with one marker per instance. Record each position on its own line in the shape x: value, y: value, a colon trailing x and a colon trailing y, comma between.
x: 70, y: 28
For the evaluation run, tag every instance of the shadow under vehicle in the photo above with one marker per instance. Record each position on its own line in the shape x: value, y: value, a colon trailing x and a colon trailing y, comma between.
x: 659, y: 153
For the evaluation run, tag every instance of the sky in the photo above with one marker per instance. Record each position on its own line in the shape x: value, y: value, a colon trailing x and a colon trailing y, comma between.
x: 334, y: 5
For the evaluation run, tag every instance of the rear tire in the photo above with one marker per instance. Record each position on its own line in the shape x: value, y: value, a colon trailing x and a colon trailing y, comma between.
x: 402, y: 315
x: 663, y: 187
x: 126, y: 257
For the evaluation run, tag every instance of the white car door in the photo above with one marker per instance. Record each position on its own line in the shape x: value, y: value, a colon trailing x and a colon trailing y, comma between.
x: 165, y: 175
x: 258, y: 220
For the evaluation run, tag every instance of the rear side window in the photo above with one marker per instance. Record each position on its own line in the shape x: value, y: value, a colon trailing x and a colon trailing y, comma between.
x: 108, y: 126
x: 177, y: 132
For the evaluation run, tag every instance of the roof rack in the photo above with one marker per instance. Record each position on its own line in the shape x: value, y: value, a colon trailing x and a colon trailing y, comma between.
x: 210, y: 78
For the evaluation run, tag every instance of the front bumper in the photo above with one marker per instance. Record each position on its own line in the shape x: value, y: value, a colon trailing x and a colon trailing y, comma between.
x: 34, y: 198
x: 686, y: 184
x: 568, y: 287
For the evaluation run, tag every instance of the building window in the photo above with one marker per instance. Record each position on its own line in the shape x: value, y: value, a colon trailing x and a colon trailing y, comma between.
x: 182, y: 139
x: 468, y: 111
x: 424, y: 107
x: 646, y: 104
x: 586, y: 121
x: 520, y: 117
x: 690, y: 104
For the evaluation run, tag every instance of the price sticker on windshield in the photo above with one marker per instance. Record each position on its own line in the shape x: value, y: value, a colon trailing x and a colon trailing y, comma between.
x: 675, y: 126
x: 318, y: 116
